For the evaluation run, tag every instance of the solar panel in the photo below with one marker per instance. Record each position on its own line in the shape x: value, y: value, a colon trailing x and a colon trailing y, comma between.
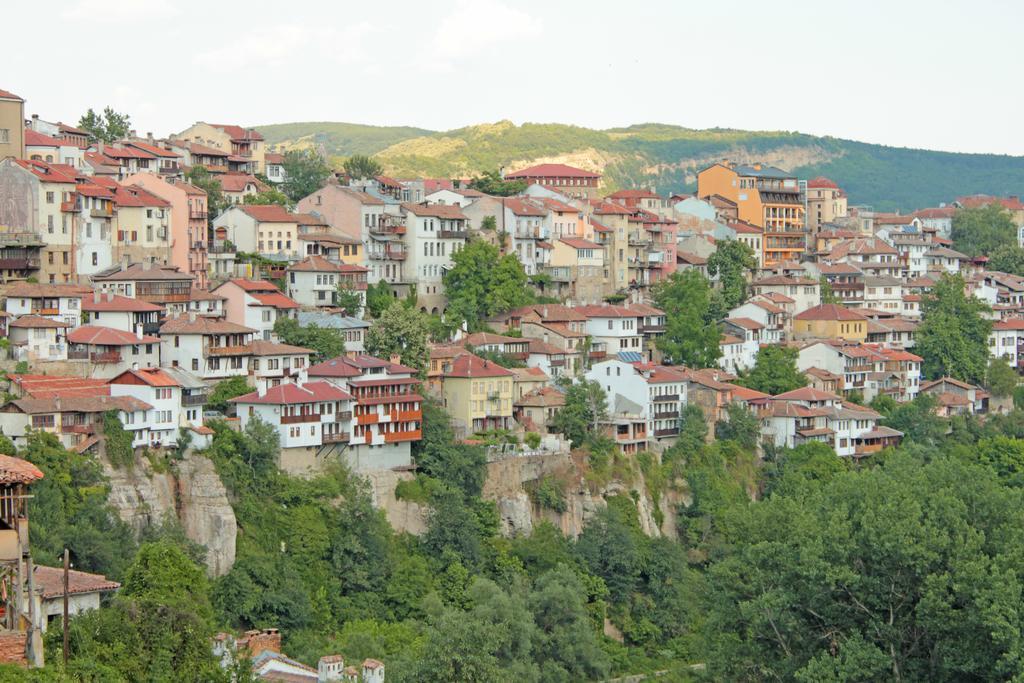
x: 630, y: 357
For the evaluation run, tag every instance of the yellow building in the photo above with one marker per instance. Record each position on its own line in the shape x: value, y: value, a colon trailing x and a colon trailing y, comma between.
x: 577, y: 270
x: 245, y: 144
x: 825, y: 203
x: 830, y: 321
x: 477, y: 394
x: 610, y: 223
x: 12, y: 126
x: 765, y: 196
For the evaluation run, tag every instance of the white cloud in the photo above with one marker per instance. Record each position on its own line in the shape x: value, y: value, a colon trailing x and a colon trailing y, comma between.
x: 118, y: 11
x: 477, y: 26
x: 279, y: 47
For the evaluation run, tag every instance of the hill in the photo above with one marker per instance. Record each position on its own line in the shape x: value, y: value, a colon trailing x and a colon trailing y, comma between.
x: 667, y: 157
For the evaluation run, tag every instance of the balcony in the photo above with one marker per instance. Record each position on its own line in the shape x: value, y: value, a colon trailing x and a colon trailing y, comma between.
x: 494, y: 396
x: 151, y: 328
x: 666, y: 415
x: 105, y: 357
x: 45, y: 311
x: 342, y: 415
x: 453, y: 234
x: 638, y: 240
x: 80, y: 428
x: 296, y: 419
x: 672, y: 431
x: 652, y: 329
x: 170, y: 170
x: 665, y: 398
x: 228, y: 350
x: 368, y: 419
x: 387, y: 229
x: 392, y: 437
x: 221, y: 248
x: 101, y: 213
x: 19, y: 263
x: 337, y: 437
x: 78, y: 354
x: 194, y: 399
x: 199, y: 246
x: 557, y: 362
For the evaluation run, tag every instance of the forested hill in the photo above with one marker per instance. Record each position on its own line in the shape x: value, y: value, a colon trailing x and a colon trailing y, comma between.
x: 666, y: 157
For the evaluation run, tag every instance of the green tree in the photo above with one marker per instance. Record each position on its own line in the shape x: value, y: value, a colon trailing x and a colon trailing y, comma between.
x: 1001, y: 379
x: 586, y: 406
x: 305, y: 172
x: 481, y: 283
x: 983, y: 230
x: 400, y: 332
x: 271, y: 195
x: 953, y: 336
x: 613, y: 548
x: 491, y: 182
x: 1008, y: 258
x: 440, y: 455
x: 887, y: 573
x: 565, y: 640
x: 827, y: 295
x: 225, y: 390
x: 348, y: 299
x: 918, y: 421
x: 489, y: 223
x: 107, y: 127
x: 775, y: 371
x: 378, y: 298
x: 691, y: 333
x: 325, y: 342
x: 362, y: 167
x: 732, y: 262
x: 740, y: 425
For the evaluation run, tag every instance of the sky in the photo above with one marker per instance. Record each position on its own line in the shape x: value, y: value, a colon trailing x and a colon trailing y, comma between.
x: 938, y: 75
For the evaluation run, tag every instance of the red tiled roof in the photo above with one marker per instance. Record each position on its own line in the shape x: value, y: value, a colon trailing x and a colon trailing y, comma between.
x: 828, y: 312
x: 107, y: 336
x: 287, y: 394
x: 51, y: 386
x: 611, y: 209
x: 806, y: 394
x: 50, y: 580
x: 551, y: 171
x: 37, y: 290
x: 745, y: 323
x: 201, y: 325
x: 93, y: 190
x: 448, y: 211
x: 335, y: 367
x: 7, y: 95
x: 318, y: 264
x: 268, y: 348
x: 268, y: 213
x: 154, y: 377
x: 49, y: 173
x: 273, y: 158
x: 116, y: 302
x: 275, y: 299
x: 154, y: 150
x: 37, y: 322
x: 820, y: 182
x: 939, y: 212
x: 238, y: 132
x: 112, y: 152
x: 237, y: 182
x: 745, y: 228
x: 523, y: 207
x: 17, y: 471
x: 976, y: 200
x: 1008, y: 324
x: 634, y: 194
x: 606, y: 311
x: 469, y: 365
x: 135, y: 196
x: 34, y: 139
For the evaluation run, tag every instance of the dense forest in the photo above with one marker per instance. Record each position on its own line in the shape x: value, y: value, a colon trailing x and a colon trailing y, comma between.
x: 666, y: 157
x: 795, y: 565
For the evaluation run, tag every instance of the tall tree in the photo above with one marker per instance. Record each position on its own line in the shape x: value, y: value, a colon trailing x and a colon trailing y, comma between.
x: 691, y: 333
x: 305, y: 172
x: 775, y: 371
x: 378, y: 298
x: 586, y: 405
x: 1000, y: 378
x: 828, y: 296
x: 362, y: 167
x: 953, y: 337
x: 1008, y: 258
x: 732, y: 263
x: 983, y: 230
x: 108, y: 127
x: 403, y: 332
x: 481, y: 283
x: 347, y: 298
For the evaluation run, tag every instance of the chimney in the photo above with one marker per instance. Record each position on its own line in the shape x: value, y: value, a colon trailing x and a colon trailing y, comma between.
x: 96, y: 296
x: 110, y: 296
x: 396, y: 359
x: 101, y: 147
x: 149, y: 136
x: 132, y: 133
x: 191, y: 316
x: 261, y: 389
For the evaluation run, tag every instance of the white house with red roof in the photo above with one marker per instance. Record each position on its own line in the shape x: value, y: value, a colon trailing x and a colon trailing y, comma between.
x: 52, y: 150
x: 123, y: 313
x: 209, y: 348
x: 656, y: 393
x: 35, y: 338
x: 269, y: 230
x: 95, y: 208
x: 257, y: 304
x: 305, y: 415
x: 749, y: 331
x: 163, y: 392
x: 62, y: 302
x: 612, y: 329
x: 110, y: 351
x: 273, y: 363
x: 807, y: 414
x: 387, y: 411
x: 433, y: 234
x: 314, y: 281
x: 1007, y: 341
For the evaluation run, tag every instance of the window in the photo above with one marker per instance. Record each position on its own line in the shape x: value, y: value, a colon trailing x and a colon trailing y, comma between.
x: 95, y: 259
x: 49, y: 198
x: 195, y: 365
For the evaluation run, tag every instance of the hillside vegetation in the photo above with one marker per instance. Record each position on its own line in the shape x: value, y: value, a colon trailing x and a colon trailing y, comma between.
x: 666, y: 157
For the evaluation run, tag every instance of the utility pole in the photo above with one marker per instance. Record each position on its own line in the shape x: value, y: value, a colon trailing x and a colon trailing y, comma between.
x: 67, y: 565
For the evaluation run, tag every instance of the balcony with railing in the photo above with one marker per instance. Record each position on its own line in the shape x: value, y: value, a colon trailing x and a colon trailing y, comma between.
x: 558, y: 273
x: 639, y: 239
x: 336, y: 437
x: 671, y: 431
x: 412, y: 435
x: 460, y: 234
x: 192, y: 400
x: 665, y: 398
x: 221, y: 248
x: 105, y: 356
x: 101, y: 213
x: 297, y: 419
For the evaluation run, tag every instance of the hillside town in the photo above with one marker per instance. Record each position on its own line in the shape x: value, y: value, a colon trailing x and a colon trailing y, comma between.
x: 166, y: 287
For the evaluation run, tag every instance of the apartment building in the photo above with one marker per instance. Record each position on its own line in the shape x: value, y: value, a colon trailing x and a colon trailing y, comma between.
x: 825, y: 203
x: 568, y: 180
x: 257, y: 304
x: 314, y: 281
x: 210, y: 349
x: 477, y: 393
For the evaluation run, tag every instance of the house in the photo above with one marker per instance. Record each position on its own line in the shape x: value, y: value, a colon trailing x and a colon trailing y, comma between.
x: 954, y: 397
x: 84, y: 593
x: 75, y: 421
x: 433, y: 234
x: 823, y: 380
x: 1007, y: 341
x: 209, y: 348
x: 871, y: 255
x: 160, y: 285
x: 535, y: 410
x: 142, y: 226
x: 749, y: 331
x: 846, y: 282
x: 245, y: 147
x: 388, y: 414
x: 612, y: 329
x: 269, y: 230
x: 122, y: 313
x: 188, y: 222
x: 12, y: 121
x: 765, y: 196
x: 306, y: 416
x: 273, y: 364
x: 771, y: 317
x: 275, y: 167
x: 803, y: 292
x: 199, y: 302
x: 944, y: 259
x: 825, y: 202
x: 161, y: 391
x: 60, y: 302
x: 314, y: 281
x: 572, y: 182
x: 477, y: 393
x: 237, y: 186
x: 257, y: 304
x: 657, y: 392
x: 576, y: 270
x: 41, y: 209
x: 830, y: 321
x: 35, y: 338
x: 351, y: 213
x: 109, y: 351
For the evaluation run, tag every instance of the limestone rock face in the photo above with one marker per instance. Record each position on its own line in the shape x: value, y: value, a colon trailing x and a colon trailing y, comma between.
x: 193, y: 495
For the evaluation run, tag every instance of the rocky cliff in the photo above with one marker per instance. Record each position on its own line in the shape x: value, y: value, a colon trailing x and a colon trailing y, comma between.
x: 192, y: 493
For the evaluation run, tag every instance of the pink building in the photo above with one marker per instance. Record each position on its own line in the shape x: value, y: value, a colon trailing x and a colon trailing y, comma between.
x: 188, y: 222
